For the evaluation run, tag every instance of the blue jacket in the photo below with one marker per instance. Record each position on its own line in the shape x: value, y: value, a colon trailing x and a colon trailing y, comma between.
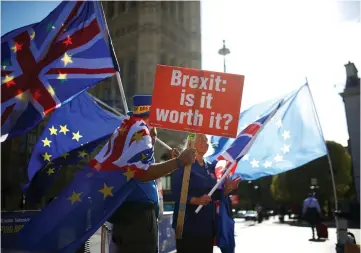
x: 202, y: 180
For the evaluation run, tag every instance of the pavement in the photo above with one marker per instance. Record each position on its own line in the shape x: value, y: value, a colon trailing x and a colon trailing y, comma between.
x: 271, y: 236
x: 267, y: 237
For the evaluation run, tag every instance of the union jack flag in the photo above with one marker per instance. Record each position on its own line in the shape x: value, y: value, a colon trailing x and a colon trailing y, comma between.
x: 130, y: 149
x: 47, y: 64
x: 241, y: 145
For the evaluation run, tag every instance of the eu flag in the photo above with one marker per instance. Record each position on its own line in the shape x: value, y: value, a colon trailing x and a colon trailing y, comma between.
x: 290, y: 139
x: 71, y: 134
x: 93, y: 195
x: 47, y: 64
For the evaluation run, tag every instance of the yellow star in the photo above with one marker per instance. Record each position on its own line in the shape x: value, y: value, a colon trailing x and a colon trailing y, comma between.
x: 47, y: 156
x: 50, y: 171
x: 63, y: 129
x: 51, y: 90
x: 66, y: 59
x: 137, y: 137
x: 76, y: 136
x: 8, y: 78
x: 62, y: 76
x: 82, y: 154
x: 107, y: 191
x: 53, y: 130
x: 122, y: 130
x: 46, y: 142
x: 32, y: 36
x: 144, y: 156
x: 75, y: 197
x: 129, y: 174
x: 65, y: 155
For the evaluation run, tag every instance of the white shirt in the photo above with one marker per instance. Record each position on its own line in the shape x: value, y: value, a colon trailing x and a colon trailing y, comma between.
x: 311, y: 202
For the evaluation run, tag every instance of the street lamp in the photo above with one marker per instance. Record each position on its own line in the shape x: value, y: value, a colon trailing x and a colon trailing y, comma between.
x: 224, y: 51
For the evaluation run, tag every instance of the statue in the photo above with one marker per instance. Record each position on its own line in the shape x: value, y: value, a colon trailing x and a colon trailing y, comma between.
x: 352, y: 78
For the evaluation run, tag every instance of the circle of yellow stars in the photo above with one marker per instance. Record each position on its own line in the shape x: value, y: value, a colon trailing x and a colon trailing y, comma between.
x: 63, y: 129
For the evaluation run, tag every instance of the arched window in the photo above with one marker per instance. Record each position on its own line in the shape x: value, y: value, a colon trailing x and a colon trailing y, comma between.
x: 121, y: 6
x: 132, y: 78
x: 110, y: 9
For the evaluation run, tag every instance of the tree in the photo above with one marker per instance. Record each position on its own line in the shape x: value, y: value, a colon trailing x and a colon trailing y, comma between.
x: 293, y: 186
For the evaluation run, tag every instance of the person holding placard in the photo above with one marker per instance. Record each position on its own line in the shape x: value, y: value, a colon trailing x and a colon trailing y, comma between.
x: 135, y: 228
x: 199, y: 229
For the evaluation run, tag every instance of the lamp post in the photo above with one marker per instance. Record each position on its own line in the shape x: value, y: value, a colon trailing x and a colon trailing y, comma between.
x: 224, y: 51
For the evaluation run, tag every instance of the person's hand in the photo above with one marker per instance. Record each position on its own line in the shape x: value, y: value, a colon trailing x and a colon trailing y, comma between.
x: 187, y: 157
x: 230, y: 185
x: 203, y: 200
x: 174, y: 153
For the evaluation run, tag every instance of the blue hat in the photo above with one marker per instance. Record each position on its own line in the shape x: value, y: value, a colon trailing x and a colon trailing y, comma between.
x: 141, y: 104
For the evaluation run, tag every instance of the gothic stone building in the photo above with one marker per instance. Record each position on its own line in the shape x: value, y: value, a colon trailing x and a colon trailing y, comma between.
x: 145, y: 34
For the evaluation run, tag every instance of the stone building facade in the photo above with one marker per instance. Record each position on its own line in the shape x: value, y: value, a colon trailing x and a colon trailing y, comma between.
x: 351, y: 98
x: 145, y: 34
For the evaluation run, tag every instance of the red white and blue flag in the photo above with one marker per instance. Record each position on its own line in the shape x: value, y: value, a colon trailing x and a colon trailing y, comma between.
x: 241, y: 145
x: 130, y: 149
x: 47, y: 64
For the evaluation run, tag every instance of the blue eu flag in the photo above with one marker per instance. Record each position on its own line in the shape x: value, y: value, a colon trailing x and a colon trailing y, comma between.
x: 72, y: 133
x: 93, y: 195
x: 290, y: 139
x: 46, y: 64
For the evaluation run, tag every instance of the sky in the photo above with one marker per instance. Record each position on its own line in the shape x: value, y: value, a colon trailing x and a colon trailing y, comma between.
x: 274, y: 44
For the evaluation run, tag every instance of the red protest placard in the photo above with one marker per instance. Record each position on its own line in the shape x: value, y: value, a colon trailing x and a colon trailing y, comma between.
x: 196, y: 101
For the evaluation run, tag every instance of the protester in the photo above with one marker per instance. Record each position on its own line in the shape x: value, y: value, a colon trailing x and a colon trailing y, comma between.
x: 199, y: 229
x: 135, y: 228
x: 311, y: 212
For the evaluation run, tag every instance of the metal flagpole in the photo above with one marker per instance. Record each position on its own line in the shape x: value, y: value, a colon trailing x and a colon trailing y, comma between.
x: 119, y: 80
x: 120, y: 114
x: 328, y: 154
x: 122, y: 94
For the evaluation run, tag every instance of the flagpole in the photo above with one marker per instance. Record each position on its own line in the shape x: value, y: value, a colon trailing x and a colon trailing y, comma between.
x: 120, y: 114
x: 122, y: 94
x: 243, y: 152
x: 328, y: 154
x: 119, y: 80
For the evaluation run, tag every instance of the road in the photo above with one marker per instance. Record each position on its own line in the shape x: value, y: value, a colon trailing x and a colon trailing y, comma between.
x: 268, y: 237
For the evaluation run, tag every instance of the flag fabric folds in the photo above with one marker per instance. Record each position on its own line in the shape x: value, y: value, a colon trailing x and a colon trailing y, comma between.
x: 228, y: 160
x: 47, y: 64
x: 225, y: 227
x: 290, y: 139
x: 93, y: 195
x: 224, y: 238
x: 71, y: 134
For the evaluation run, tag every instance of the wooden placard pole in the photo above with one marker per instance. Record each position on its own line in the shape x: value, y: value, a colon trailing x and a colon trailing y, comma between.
x: 184, y: 191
